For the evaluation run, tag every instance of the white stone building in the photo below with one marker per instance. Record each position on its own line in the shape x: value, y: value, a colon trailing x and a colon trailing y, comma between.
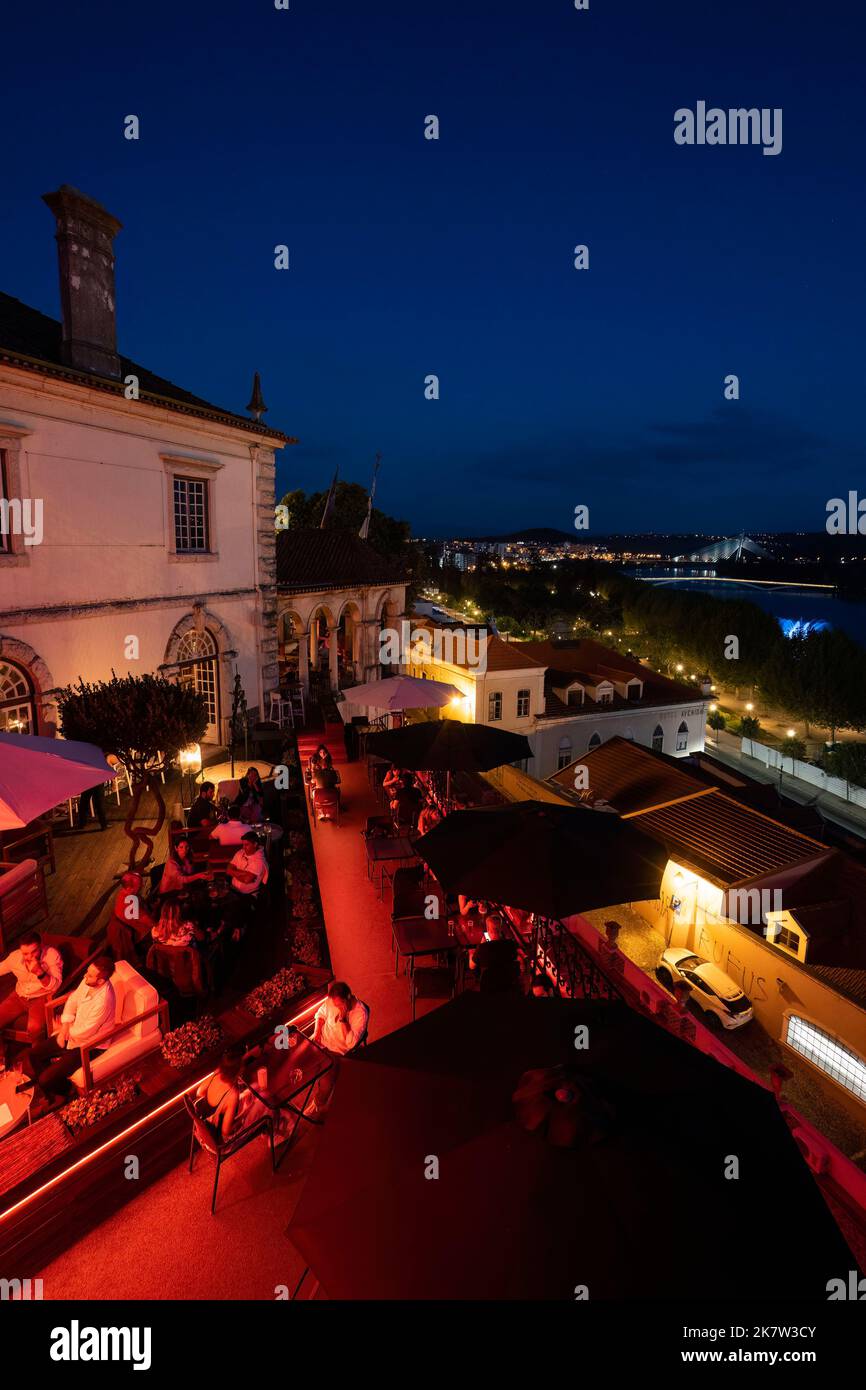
x: 157, y: 551
x: 570, y: 697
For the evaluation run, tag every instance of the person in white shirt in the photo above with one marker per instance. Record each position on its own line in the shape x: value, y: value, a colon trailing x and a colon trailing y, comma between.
x: 232, y: 831
x: 248, y: 870
x: 38, y: 970
x: 340, y: 1024
x: 87, y: 1016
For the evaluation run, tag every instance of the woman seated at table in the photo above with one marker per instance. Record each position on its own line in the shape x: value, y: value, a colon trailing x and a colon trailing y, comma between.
x: 317, y: 759
x: 174, y: 929
x: 179, y: 871
x: 130, y: 923
x: 218, y: 1097
x: 430, y: 816
x: 395, y: 778
x: 250, y: 799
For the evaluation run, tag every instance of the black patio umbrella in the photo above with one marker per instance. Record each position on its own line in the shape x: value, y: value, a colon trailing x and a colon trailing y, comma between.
x: 546, y: 858
x: 490, y: 1159
x: 449, y: 745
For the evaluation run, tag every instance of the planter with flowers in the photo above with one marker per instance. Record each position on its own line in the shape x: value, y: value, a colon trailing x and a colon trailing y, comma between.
x: 185, y: 1044
x: 89, y: 1109
x: 307, y: 945
x: 275, y: 993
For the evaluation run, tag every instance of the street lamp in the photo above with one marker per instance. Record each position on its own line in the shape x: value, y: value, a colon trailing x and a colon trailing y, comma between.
x: 190, y: 763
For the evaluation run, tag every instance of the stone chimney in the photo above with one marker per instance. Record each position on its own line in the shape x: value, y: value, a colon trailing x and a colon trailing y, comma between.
x: 85, y: 233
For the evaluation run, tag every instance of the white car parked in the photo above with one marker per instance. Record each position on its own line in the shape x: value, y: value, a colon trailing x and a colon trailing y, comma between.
x: 713, y: 990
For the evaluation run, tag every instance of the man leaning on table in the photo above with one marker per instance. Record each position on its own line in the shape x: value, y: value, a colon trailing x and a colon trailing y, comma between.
x: 339, y: 1026
x: 38, y: 970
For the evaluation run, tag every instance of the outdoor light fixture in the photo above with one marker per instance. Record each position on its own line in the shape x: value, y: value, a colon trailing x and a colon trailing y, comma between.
x: 749, y: 706
x: 679, y: 665
x: 190, y: 763
x: 792, y: 733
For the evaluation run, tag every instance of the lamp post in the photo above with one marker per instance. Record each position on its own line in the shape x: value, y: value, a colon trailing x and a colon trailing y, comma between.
x: 190, y: 764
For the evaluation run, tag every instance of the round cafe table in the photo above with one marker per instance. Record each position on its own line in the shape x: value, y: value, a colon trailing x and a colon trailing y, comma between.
x: 13, y: 1105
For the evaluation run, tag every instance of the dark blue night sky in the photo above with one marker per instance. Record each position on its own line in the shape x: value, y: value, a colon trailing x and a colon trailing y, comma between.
x: 411, y: 257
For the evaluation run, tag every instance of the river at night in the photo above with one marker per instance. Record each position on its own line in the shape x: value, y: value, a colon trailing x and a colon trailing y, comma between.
x: 787, y: 602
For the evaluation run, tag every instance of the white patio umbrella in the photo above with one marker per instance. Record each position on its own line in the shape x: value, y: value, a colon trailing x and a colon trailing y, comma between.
x: 401, y: 692
x: 38, y: 773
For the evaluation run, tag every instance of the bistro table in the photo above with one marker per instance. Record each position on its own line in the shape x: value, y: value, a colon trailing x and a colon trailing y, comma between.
x: 292, y: 1073
x: 382, y: 849
x: 422, y: 936
x: 14, y: 1105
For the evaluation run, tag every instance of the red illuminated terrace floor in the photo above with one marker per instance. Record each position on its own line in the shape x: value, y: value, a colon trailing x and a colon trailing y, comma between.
x: 165, y: 1244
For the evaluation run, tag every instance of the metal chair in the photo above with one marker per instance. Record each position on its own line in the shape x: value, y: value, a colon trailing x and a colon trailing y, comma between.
x: 222, y: 1150
x: 326, y: 799
x: 431, y: 982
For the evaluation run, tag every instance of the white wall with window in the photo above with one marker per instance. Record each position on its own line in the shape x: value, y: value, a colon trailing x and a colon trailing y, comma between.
x: 150, y: 514
x: 827, y: 1054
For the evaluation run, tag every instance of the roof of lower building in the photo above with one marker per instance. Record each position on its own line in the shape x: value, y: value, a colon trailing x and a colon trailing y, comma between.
x: 630, y: 778
x: 589, y: 662
x: 312, y: 559
x: 33, y: 341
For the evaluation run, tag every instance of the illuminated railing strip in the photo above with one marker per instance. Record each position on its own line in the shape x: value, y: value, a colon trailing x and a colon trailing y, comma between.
x: 58, y: 1178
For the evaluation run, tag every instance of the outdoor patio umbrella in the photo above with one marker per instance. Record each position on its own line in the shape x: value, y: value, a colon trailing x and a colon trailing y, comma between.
x: 555, y: 860
x: 511, y: 1211
x: 449, y: 745
x: 401, y: 692
x: 37, y: 773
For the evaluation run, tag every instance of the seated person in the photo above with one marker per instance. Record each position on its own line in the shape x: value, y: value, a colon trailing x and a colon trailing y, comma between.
x: 394, y: 779
x: 496, y: 960
x: 179, y: 869
x: 173, y: 929
x: 325, y: 774
x: 202, y: 813
x: 429, y: 817
x: 88, y: 1015
x: 339, y: 1025
x: 130, y: 922
x: 541, y: 987
x: 248, y: 871
x: 218, y: 1096
x: 232, y: 831
x: 250, y: 799
x: 38, y: 971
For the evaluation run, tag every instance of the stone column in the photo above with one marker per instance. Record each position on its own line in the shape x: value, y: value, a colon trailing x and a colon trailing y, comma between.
x: 304, y: 662
x: 333, y: 666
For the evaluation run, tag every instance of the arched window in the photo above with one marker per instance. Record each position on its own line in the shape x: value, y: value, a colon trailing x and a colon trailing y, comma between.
x: 658, y: 739
x: 825, y: 1052
x: 563, y: 757
x: 17, y: 708
x: 197, y: 670
x: 594, y: 742
x: 683, y: 738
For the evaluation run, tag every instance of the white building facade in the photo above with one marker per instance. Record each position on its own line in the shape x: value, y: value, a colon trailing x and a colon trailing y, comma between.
x: 157, y: 546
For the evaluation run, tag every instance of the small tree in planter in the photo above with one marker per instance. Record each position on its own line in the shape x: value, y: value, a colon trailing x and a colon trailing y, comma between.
x: 238, y: 721
x: 144, y: 721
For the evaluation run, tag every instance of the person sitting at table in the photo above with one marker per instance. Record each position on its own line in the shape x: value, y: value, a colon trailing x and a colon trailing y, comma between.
x: 202, y: 812
x: 248, y: 871
x: 174, y: 928
x: 496, y: 960
x: 130, y: 922
x: 250, y: 799
x: 38, y: 971
x: 232, y: 831
x: 394, y: 779
x: 87, y: 1016
x: 179, y: 871
x: 320, y: 756
x: 540, y: 986
x: 429, y: 817
x: 471, y: 907
x: 218, y: 1097
x: 339, y: 1025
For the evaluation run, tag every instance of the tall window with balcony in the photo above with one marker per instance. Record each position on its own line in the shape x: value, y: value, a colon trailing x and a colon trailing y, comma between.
x: 197, y: 655
x: 191, y: 519
x: 494, y: 706
x: 523, y: 703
